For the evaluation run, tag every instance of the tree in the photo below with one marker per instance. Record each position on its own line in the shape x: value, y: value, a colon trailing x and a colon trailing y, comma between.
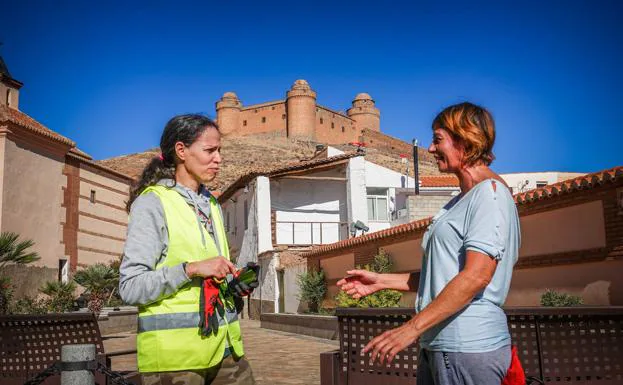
x: 312, y: 288
x: 12, y: 251
x: 99, y: 280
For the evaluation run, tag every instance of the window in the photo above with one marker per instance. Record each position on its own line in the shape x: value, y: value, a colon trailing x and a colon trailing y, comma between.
x: 227, y: 221
x: 244, y: 122
x: 541, y: 183
x: 246, y: 215
x: 321, y: 121
x: 8, y: 97
x: 342, y: 128
x: 332, y: 125
x: 272, y: 108
x: 283, y: 116
x: 92, y: 197
x: 377, y: 204
x: 263, y: 119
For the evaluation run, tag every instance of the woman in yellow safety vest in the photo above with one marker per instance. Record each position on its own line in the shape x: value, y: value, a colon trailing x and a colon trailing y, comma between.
x: 176, y: 240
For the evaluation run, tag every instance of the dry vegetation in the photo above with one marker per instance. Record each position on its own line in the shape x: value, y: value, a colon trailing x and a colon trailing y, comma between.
x: 244, y: 154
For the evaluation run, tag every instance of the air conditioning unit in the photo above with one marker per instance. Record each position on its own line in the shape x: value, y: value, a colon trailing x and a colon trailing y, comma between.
x: 402, y: 213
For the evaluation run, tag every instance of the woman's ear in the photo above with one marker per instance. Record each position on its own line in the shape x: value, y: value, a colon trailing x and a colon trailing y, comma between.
x: 180, y: 150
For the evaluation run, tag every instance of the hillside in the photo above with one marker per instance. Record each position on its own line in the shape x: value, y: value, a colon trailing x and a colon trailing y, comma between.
x: 244, y: 154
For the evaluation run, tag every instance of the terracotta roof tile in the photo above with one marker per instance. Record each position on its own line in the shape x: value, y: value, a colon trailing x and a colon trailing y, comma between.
x: 411, y: 227
x: 584, y: 182
x: 439, y: 181
x: 243, y: 180
x: 8, y: 114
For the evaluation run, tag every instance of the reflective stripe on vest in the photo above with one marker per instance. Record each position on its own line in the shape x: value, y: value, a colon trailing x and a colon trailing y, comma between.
x: 169, y: 338
x: 178, y: 321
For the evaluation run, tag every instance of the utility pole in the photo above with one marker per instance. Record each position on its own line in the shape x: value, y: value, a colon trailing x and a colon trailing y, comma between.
x: 416, y: 171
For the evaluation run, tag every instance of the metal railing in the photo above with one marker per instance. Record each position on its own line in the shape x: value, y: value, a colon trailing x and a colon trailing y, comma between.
x: 577, y: 345
x: 309, y: 233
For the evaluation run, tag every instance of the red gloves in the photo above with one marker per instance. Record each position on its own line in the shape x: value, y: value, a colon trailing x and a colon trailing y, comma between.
x: 209, y: 304
x: 515, y: 374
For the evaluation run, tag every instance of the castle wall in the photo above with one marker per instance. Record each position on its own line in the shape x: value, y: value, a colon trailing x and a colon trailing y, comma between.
x: 262, y: 118
x: 334, y: 128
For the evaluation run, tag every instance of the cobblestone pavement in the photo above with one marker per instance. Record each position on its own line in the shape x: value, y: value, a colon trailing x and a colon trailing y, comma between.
x: 277, y: 358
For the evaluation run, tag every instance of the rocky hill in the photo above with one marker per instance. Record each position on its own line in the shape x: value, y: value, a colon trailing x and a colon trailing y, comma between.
x: 247, y: 153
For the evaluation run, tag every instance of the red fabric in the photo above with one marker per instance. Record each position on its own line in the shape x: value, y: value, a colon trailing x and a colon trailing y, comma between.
x: 515, y: 374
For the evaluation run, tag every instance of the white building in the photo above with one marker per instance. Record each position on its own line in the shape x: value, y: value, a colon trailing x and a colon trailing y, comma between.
x: 336, y: 196
x: 523, y: 181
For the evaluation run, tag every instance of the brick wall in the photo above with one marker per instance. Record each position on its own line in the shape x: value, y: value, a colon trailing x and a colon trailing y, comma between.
x: 424, y: 206
x: 263, y: 118
x: 613, y: 221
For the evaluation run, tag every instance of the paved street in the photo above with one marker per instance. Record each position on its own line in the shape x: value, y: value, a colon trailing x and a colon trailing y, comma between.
x: 277, y: 358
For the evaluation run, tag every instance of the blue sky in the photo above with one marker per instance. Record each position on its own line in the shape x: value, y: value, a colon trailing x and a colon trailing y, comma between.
x: 109, y: 75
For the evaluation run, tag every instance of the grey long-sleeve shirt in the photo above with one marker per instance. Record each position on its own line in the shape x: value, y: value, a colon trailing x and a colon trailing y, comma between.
x: 147, y: 245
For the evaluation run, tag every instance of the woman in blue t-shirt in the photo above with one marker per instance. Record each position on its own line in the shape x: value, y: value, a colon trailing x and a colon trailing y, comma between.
x: 469, y: 252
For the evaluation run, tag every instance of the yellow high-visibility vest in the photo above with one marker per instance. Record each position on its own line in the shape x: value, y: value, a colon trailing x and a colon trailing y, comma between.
x: 168, y: 334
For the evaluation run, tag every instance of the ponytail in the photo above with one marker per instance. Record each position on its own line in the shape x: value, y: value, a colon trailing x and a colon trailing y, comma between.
x: 152, y: 173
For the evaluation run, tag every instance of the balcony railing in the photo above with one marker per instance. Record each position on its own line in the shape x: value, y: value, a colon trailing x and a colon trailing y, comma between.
x: 309, y: 233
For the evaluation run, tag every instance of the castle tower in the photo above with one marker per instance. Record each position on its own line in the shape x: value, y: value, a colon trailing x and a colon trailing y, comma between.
x: 364, y: 113
x: 228, y: 113
x: 301, y: 111
x: 9, y: 87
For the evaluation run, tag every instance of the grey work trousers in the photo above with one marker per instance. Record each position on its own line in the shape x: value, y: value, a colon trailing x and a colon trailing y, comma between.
x: 448, y: 368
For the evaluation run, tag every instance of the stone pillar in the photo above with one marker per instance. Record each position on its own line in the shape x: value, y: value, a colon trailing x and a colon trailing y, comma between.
x: 77, y: 353
x: 364, y: 113
x: 228, y: 113
x: 301, y: 111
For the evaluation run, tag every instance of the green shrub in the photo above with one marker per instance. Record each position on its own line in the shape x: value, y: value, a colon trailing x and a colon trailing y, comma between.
x: 381, y: 264
x: 556, y: 299
x: 61, y: 296
x: 6, y: 295
x: 29, y: 305
x: 312, y: 288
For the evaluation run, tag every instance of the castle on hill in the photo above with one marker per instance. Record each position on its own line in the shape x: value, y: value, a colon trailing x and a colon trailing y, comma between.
x: 298, y: 116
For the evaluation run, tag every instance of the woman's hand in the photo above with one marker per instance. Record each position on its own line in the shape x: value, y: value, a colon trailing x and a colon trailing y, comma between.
x: 360, y: 283
x: 384, y: 347
x: 217, y: 268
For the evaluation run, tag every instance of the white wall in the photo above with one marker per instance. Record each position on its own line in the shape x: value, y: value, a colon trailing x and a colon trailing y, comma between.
x: 290, y: 277
x: 321, y: 201
x: 263, y: 206
x: 524, y: 181
x: 356, y: 190
x: 378, y: 176
x: 242, y: 243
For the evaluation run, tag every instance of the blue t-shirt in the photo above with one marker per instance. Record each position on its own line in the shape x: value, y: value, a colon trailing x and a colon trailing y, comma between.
x: 483, y: 220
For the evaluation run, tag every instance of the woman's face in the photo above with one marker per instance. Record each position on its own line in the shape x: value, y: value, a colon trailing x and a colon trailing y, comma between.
x: 202, y: 159
x: 447, y: 152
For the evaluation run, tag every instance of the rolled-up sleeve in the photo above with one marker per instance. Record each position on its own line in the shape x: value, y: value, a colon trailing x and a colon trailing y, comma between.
x: 486, y: 224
